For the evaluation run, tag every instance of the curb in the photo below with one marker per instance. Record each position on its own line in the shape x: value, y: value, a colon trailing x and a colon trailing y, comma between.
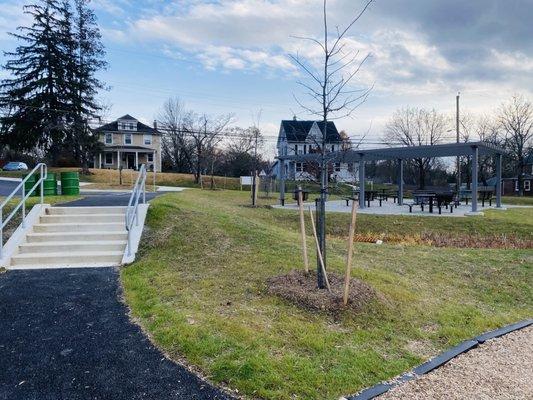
x: 438, y: 361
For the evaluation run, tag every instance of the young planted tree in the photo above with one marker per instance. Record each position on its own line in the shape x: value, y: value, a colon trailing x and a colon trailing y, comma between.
x: 330, y: 87
x: 416, y: 127
x: 516, y: 121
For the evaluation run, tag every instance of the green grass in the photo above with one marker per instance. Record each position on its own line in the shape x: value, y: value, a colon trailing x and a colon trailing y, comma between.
x: 520, y: 201
x: 198, y: 287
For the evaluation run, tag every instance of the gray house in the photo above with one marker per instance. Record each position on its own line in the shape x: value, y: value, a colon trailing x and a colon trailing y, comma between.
x: 303, y: 137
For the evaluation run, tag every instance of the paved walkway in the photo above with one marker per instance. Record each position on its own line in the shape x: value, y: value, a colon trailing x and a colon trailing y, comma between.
x: 65, y: 334
x: 391, y: 208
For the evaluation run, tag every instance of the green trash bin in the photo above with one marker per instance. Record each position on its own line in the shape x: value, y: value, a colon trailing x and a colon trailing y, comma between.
x: 50, y: 185
x: 70, y: 183
x: 30, y: 183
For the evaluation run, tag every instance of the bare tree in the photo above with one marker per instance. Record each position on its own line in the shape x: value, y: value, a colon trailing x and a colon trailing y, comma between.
x: 516, y: 121
x: 206, y: 133
x: 177, y: 146
x: 416, y: 127
x: 330, y: 88
x: 242, y: 140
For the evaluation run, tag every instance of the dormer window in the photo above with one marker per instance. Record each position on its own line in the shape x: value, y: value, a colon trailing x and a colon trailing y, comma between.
x: 127, y: 125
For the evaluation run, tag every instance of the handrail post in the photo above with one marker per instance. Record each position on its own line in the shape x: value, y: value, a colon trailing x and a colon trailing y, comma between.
x: 42, y: 171
x: 23, y: 206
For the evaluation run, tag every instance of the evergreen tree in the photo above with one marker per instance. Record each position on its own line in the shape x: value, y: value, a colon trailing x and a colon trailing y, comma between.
x: 83, y: 83
x: 51, y: 94
x: 35, y: 92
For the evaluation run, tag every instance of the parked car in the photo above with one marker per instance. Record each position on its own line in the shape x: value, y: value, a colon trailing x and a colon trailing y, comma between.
x: 15, y: 166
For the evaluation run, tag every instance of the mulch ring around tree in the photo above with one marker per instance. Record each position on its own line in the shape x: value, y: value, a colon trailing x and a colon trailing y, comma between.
x: 301, y: 289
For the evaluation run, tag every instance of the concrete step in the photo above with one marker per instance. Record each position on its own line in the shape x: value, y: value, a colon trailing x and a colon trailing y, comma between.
x: 75, y: 236
x: 61, y: 259
x: 79, y: 227
x: 83, y: 218
x: 85, y: 210
x: 68, y: 246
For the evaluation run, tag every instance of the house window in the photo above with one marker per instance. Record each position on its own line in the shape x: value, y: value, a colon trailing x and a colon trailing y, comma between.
x: 127, y: 138
x: 527, y: 186
x: 332, y: 147
x: 299, y: 167
x: 108, y: 138
x: 295, y: 149
x: 150, y: 157
x: 516, y: 186
x: 147, y: 139
x: 337, y: 167
x: 131, y: 126
x: 305, y: 149
x: 109, y: 158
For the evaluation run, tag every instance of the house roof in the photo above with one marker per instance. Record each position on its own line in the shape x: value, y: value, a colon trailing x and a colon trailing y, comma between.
x: 113, y: 126
x: 529, y: 158
x: 297, y: 131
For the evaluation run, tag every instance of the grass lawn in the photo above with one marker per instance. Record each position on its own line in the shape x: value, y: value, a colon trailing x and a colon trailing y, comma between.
x: 110, y: 179
x: 198, y: 288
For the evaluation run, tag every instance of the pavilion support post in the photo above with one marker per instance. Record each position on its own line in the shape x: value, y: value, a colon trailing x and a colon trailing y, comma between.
x: 498, y: 181
x: 361, y: 183
x: 282, y: 182
x: 475, y: 157
x: 400, y: 182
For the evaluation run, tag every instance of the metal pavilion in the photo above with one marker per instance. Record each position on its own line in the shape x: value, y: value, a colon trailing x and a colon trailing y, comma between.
x: 400, y: 154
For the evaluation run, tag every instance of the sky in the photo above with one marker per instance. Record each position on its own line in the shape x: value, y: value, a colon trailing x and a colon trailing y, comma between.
x: 233, y: 56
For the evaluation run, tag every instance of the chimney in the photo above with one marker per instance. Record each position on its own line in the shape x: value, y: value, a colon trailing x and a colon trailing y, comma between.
x: 155, y: 124
x: 294, y: 118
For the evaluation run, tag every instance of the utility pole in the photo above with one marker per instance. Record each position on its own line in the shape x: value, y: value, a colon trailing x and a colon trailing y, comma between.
x: 458, y: 140
x: 254, y: 177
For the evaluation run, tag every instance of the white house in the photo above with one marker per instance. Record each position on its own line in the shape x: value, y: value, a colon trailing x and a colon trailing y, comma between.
x: 302, y: 137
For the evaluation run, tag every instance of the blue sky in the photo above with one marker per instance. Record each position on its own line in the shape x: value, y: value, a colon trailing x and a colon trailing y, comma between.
x: 231, y: 56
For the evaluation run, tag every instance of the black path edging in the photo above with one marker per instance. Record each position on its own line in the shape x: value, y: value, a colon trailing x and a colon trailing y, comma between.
x: 439, y: 361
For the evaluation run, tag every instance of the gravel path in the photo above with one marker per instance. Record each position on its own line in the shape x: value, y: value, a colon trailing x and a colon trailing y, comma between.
x: 498, y: 369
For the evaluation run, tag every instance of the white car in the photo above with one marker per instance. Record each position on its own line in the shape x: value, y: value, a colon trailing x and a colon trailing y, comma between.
x: 15, y: 166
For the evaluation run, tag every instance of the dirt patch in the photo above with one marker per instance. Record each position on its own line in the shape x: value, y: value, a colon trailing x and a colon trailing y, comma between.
x: 301, y: 289
x: 449, y: 240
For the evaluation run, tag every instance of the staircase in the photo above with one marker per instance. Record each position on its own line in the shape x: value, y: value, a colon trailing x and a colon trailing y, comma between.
x: 73, y: 237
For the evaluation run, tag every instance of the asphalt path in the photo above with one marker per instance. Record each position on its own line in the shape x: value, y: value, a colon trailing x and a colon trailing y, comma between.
x: 66, y: 334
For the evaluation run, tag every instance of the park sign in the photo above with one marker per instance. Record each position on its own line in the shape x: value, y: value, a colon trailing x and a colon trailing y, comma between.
x: 246, y: 181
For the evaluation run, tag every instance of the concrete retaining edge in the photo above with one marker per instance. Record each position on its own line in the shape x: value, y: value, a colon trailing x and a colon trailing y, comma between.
x: 438, y: 361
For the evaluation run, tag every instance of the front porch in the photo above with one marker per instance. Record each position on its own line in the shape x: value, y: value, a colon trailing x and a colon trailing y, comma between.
x: 131, y: 157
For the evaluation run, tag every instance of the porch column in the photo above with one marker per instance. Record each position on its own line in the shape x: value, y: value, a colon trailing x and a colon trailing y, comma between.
x: 475, y: 153
x: 282, y: 181
x: 400, y: 182
x: 498, y: 180
x: 118, y: 159
x: 136, y: 160
x: 99, y: 160
x: 361, y: 182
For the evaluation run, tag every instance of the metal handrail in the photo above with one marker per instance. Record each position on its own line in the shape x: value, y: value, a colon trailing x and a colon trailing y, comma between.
x: 43, y: 171
x: 132, y: 211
